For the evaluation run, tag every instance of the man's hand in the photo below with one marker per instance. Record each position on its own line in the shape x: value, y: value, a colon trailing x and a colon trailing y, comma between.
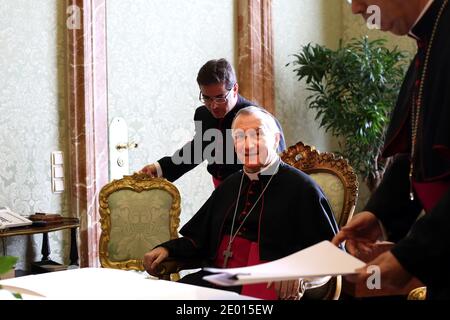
x: 392, y: 274
x: 153, y: 258
x: 288, y: 290
x: 150, y: 170
x: 361, y: 235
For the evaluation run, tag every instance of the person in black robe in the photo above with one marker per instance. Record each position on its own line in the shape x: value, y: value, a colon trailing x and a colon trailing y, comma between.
x: 419, y: 130
x: 264, y: 212
x: 212, y: 140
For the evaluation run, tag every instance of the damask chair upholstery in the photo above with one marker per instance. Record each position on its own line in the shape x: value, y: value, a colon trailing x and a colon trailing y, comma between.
x: 136, y: 214
x: 338, y: 181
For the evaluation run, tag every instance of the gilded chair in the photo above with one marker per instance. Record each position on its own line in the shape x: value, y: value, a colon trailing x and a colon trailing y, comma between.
x: 418, y: 294
x: 340, y: 185
x: 332, y: 173
x: 136, y: 214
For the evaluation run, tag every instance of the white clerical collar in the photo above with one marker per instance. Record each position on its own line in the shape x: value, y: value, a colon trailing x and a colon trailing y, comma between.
x: 424, y: 10
x: 270, y: 169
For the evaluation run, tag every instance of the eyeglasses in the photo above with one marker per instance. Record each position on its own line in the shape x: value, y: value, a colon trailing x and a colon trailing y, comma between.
x: 240, y: 135
x: 218, y: 100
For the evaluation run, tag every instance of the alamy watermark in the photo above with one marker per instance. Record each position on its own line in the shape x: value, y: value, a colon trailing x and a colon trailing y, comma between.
x: 374, y: 17
x: 73, y: 21
x: 374, y: 280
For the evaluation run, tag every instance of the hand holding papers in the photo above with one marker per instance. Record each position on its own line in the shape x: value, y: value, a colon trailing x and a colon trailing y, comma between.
x: 322, y: 259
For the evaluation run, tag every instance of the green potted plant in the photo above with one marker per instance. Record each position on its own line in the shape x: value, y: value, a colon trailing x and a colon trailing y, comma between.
x: 7, y: 263
x: 354, y: 89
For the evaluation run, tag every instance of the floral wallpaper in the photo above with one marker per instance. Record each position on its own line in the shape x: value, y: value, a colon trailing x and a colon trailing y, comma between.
x: 33, y: 118
x: 155, y: 49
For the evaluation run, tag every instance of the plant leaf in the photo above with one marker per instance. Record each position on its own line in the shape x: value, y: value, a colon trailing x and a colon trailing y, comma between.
x: 353, y: 90
x: 7, y: 263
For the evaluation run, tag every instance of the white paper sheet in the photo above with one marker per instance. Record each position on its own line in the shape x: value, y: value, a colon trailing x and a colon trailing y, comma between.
x: 107, y: 284
x: 322, y: 259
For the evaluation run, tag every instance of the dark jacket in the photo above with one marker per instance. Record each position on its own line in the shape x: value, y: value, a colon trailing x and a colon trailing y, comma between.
x: 295, y: 215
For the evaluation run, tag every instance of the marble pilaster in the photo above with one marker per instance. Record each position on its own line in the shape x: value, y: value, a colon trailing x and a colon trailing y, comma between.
x: 255, y: 52
x: 88, y: 122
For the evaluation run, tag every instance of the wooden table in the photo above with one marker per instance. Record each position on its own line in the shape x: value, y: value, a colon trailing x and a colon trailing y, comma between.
x: 66, y: 223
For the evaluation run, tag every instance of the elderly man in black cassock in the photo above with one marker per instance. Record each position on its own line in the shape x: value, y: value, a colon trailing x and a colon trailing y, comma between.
x: 419, y: 140
x: 264, y: 212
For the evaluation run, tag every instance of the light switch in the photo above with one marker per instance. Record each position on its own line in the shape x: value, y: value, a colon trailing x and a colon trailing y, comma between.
x: 57, y: 158
x: 58, y: 171
x: 58, y: 185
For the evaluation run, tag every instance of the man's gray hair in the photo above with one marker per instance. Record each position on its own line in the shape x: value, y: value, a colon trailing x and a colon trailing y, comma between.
x: 268, y: 120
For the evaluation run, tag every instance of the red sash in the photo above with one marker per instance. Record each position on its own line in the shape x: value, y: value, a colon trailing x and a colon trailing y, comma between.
x: 245, y: 253
x: 430, y: 193
x: 216, y: 182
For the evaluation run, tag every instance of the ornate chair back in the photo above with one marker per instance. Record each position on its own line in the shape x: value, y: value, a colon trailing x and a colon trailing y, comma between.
x: 419, y: 293
x: 136, y: 214
x: 337, y: 180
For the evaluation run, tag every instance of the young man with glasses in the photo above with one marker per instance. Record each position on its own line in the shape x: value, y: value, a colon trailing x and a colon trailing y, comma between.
x: 219, y: 92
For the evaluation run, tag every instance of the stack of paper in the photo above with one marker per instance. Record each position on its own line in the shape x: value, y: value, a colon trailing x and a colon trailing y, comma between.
x: 322, y: 259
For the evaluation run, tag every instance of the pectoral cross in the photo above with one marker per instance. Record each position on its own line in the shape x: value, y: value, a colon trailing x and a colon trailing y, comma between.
x: 411, y: 185
x: 227, y: 255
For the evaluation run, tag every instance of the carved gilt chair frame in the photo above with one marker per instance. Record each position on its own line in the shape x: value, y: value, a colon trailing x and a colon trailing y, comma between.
x: 310, y: 161
x: 137, y: 183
